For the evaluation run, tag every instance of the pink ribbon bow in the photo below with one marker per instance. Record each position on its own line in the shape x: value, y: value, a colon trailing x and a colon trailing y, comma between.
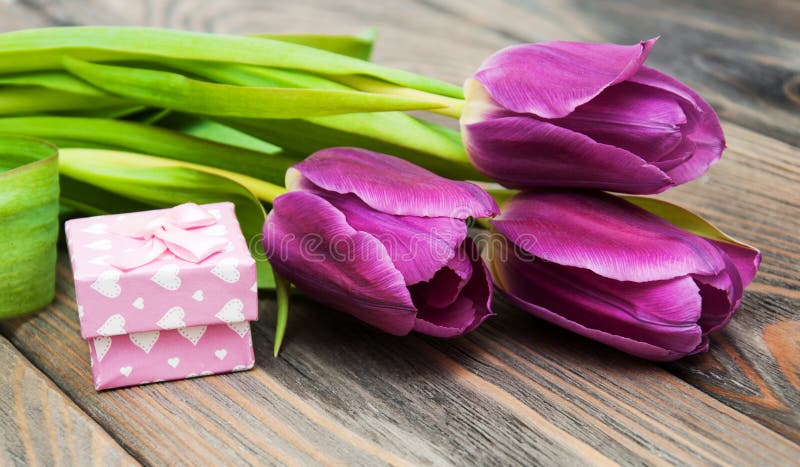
x: 169, y: 231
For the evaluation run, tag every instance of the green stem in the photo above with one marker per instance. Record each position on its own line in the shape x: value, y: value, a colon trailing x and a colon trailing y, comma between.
x: 454, y: 106
x: 282, y: 293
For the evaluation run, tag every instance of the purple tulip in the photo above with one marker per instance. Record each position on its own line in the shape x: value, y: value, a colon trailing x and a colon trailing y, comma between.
x: 604, y: 268
x: 570, y: 114
x: 383, y: 240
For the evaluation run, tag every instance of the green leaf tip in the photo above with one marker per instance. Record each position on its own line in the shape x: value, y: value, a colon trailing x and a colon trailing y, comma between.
x: 282, y: 293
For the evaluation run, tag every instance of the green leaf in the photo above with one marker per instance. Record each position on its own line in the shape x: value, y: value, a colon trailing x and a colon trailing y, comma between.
x: 21, y: 100
x: 217, y: 132
x: 43, y: 49
x: 29, y: 228
x: 162, y: 183
x: 426, y: 144
x: 177, y: 92
x: 115, y: 134
x: 683, y: 218
x: 353, y: 46
x: 56, y: 80
x: 95, y: 201
x: 282, y: 295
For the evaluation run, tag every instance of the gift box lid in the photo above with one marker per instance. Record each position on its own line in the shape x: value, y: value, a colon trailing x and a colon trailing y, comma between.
x: 205, y: 274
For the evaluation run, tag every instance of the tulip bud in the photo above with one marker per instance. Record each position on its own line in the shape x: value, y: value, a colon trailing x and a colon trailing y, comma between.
x: 607, y: 269
x: 582, y: 115
x: 383, y: 240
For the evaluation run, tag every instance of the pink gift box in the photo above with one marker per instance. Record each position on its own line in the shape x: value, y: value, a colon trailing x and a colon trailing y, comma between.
x: 176, y: 316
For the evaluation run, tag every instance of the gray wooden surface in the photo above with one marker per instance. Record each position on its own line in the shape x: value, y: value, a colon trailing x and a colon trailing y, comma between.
x: 517, y: 391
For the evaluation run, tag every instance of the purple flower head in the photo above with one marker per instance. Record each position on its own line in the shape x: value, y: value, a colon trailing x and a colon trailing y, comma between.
x: 581, y: 115
x: 609, y: 270
x: 383, y: 240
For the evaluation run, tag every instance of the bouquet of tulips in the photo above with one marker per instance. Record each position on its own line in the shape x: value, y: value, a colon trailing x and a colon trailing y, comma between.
x: 368, y: 206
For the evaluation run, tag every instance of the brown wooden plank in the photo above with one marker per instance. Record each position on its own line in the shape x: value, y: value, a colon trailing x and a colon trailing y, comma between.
x: 39, y: 425
x: 743, y: 56
x: 515, y: 391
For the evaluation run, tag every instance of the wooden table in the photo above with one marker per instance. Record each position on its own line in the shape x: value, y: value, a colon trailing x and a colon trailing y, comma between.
x: 517, y: 391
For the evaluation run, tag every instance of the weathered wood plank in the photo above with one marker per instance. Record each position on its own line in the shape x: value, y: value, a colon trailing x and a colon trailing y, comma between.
x: 39, y: 425
x: 742, y: 56
x: 516, y: 391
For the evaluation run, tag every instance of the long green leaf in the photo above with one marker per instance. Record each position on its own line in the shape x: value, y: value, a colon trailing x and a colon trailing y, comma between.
x: 389, y: 132
x: 43, y: 49
x: 217, y: 132
x: 359, y: 46
x: 29, y: 224
x: 155, y: 182
x: 54, y: 79
x: 115, y: 134
x: 22, y: 100
x: 175, y: 91
x: 428, y: 144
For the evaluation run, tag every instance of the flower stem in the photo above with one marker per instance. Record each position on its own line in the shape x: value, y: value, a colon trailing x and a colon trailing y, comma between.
x: 452, y: 107
x: 282, y: 293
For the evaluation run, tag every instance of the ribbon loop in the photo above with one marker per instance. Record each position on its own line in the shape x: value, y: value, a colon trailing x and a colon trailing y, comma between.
x: 171, y: 231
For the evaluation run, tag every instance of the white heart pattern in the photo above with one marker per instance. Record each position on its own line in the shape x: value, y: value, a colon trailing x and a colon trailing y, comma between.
x: 114, y: 326
x: 254, y: 287
x: 101, y: 347
x: 193, y: 334
x: 231, y: 312
x: 173, y: 362
x: 172, y: 319
x: 226, y: 270
x: 240, y: 328
x: 138, y: 303
x: 167, y: 277
x: 145, y: 340
x: 100, y: 260
x: 215, y: 212
x: 106, y: 284
x: 198, y: 295
x: 104, y: 244
x: 126, y: 371
x: 96, y: 229
x: 221, y: 354
x: 80, y: 311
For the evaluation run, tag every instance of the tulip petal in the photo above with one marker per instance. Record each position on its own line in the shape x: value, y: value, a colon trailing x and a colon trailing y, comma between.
x: 704, y: 128
x: 654, y: 320
x: 308, y: 241
x: 521, y: 151
x: 468, y: 310
x: 418, y: 246
x: 644, y: 120
x: 722, y: 294
x: 550, y: 79
x: 392, y: 185
x: 604, y: 234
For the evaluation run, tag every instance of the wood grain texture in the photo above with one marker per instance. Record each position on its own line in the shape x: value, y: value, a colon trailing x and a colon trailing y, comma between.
x: 517, y: 390
x: 40, y: 425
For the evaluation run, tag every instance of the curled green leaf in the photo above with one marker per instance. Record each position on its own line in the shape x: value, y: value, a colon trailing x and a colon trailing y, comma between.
x: 29, y: 228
